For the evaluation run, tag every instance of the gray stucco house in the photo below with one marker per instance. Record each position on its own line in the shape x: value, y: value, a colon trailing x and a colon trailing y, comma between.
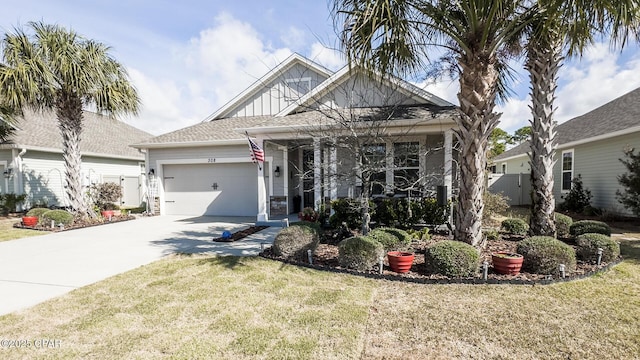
x: 31, y: 160
x: 206, y: 169
x: 588, y: 145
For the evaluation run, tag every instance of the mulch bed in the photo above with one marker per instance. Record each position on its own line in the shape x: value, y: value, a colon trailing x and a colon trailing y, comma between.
x: 240, y: 234
x: 326, y: 258
x: 77, y: 224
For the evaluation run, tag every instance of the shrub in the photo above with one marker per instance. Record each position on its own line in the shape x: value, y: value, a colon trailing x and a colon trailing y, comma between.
x: 9, y: 202
x: 315, y: 226
x: 37, y: 212
x: 59, y: 216
x: 588, y: 245
x: 422, y: 234
x: 105, y: 194
x: 515, y: 226
x: 308, y: 214
x: 563, y: 223
x: 359, y: 252
x: 434, y: 214
x: 543, y: 254
x: 630, y: 197
x: 452, y: 258
x: 294, y: 241
x: 578, y: 197
x: 391, y: 238
x: 589, y: 226
x: 492, y: 234
x: 347, y: 211
x: 494, y: 204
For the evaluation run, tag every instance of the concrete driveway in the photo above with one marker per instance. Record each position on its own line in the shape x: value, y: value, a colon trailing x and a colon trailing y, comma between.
x: 38, y: 268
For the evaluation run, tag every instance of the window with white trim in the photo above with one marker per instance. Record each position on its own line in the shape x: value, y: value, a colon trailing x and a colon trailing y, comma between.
x: 567, y: 169
x: 297, y: 87
x: 406, y: 167
x: 374, y: 162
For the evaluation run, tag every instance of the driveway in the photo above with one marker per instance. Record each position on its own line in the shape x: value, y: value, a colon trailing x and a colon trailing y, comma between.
x: 38, y: 268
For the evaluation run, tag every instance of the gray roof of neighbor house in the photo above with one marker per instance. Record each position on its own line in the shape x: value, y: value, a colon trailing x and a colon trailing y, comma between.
x: 231, y: 129
x: 620, y: 114
x: 101, y: 135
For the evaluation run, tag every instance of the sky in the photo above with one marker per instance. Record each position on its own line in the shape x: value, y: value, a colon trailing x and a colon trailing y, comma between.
x: 188, y: 58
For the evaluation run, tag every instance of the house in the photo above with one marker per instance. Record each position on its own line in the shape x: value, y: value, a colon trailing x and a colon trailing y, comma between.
x: 588, y: 145
x: 299, y: 114
x: 31, y: 160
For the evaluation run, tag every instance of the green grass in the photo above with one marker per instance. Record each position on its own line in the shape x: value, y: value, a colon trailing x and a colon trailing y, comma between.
x: 8, y: 232
x: 251, y: 308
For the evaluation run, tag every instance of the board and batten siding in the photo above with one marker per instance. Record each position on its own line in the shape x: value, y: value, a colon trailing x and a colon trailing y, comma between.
x: 277, y: 95
x: 359, y: 91
x: 597, y: 163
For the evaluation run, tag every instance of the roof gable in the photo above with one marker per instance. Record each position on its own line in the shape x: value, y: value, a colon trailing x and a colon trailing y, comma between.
x: 273, y: 92
x: 101, y: 135
x: 351, y: 87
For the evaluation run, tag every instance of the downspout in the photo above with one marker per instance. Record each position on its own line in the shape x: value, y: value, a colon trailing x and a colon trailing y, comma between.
x: 18, y: 180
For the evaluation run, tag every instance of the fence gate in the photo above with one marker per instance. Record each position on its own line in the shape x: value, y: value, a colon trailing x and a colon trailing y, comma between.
x: 515, y: 186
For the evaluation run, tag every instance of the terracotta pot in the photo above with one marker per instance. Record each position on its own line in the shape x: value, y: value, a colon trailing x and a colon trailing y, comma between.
x: 400, y: 261
x: 507, y: 263
x: 106, y: 213
x: 30, y: 221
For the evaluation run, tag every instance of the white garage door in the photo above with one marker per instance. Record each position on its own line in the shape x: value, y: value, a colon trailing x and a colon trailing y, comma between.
x: 211, y: 189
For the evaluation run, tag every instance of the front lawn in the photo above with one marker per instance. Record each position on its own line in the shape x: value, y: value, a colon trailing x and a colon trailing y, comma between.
x: 253, y: 308
x: 8, y: 232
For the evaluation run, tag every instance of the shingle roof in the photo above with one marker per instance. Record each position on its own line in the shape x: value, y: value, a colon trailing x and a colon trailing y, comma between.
x: 227, y: 129
x: 619, y: 114
x: 101, y: 135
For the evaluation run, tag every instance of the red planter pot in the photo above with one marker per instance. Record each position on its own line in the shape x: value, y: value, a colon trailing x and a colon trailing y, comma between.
x: 507, y: 263
x: 400, y: 261
x: 106, y: 213
x: 30, y: 221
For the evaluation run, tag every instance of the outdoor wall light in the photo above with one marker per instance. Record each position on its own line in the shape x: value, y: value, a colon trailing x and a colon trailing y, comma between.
x: 276, y: 172
x: 8, y: 172
x: 152, y: 173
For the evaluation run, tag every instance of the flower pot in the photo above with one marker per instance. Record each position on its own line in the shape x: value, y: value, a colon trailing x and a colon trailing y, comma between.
x: 30, y: 221
x: 106, y: 213
x: 507, y: 263
x: 400, y: 261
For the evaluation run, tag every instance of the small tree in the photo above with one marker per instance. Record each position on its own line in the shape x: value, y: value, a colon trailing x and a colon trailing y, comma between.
x: 630, y: 198
x: 106, y: 194
x: 578, y: 197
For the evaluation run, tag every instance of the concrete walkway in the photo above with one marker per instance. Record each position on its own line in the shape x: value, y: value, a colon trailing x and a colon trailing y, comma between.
x: 39, y: 268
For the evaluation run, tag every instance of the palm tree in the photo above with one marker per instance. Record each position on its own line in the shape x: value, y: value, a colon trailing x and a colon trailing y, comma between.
x: 58, y: 70
x: 7, y: 123
x: 566, y: 29
x: 400, y: 35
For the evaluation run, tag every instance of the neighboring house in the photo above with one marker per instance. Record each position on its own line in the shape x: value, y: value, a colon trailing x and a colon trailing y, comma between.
x: 589, y: 145
x: 206, y: 169
x: 31, y: 160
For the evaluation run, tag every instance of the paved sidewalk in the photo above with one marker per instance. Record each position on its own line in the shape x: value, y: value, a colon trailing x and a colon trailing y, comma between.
x: 39, y: 268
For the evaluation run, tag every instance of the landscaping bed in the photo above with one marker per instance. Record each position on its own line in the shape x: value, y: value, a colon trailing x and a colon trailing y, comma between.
x: 326, y: 258
x: 77, y: 223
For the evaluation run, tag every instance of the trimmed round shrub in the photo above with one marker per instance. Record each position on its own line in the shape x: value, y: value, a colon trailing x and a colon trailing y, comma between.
x: 421, y: 234
x: 388, y: 241
x: 294, y: 241
x: 543, y: 254
x: 359, y: 252
x: 515, y: 226
x: 588, y: 245
x: 37, y: 212
x: 452, y: 258
x: 400, y: 239
x: 59, y: 216
x: 589, y: 226
x: 563, y: 223
x: 315, y: 226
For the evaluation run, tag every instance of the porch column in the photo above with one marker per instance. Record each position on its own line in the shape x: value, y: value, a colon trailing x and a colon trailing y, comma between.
x: 333, y: 173
x: 262, y: 193
x: 448, y: 161
x: 317, y: 173
x: 285, y: 174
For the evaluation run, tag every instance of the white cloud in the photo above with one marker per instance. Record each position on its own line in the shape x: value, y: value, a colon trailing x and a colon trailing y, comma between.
x: 330, y: 58
x: 293, y: 37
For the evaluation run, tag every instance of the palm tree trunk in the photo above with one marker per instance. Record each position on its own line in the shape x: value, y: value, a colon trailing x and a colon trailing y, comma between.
x: 542, y: 64
x: 477, y: 95
x: 69, y: 112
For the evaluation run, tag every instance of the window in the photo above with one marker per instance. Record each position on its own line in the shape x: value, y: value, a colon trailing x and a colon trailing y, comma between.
x: 297, y: 87
x: 374, y: 164
x: 406, y: 172
x: 567, y: 169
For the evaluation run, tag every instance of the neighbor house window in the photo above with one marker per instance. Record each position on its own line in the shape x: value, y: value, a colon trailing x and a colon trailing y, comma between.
x: 374, y: 164
x: 406, y: 170
x: 567, y: 169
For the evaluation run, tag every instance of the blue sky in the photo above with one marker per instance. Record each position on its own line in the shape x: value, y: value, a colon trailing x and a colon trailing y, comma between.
x: 188, y: 58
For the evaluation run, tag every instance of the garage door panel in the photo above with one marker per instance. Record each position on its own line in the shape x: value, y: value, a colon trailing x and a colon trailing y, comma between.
x: 211, y: 189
